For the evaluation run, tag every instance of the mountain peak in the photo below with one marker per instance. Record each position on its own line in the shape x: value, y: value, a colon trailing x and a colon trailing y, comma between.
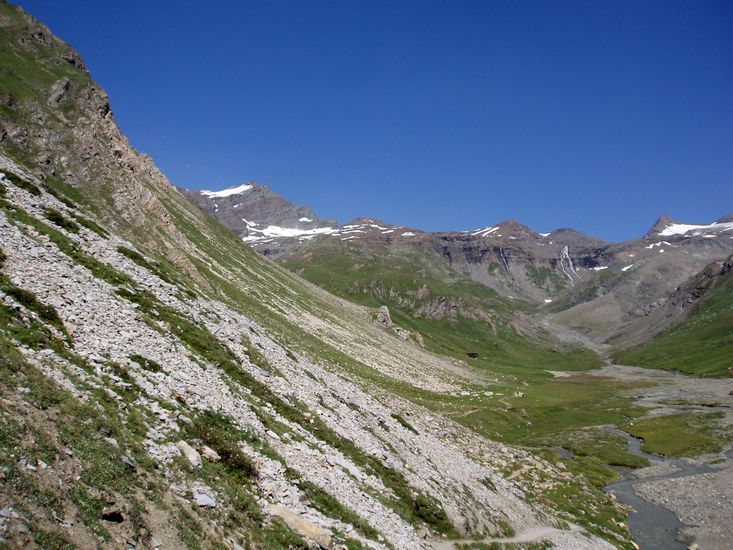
x: 365, y: 220
x: 240, y: 189
x: 662, y: 222
x: 572, y: 237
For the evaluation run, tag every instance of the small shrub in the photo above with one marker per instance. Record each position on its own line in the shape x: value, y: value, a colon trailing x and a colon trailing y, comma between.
x: 331, y: 507
x: 89, y: 224
x: 59, y: 197
x: 23, y: 184
x: 144, y: 362
x: 218, y: 432
x: 27, y: 299
x: 255, y: 356
x: 54, y: 216
x: 404, y: 423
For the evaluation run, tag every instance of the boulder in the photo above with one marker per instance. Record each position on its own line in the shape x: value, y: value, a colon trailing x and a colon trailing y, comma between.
x: 299, y: 524
x: 203, y: 500
x: 190, y: 453
x: 210, y: 454
x: 384, y: 319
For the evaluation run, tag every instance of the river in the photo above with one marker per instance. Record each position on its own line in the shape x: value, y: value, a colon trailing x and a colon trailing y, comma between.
x: 653, y: 523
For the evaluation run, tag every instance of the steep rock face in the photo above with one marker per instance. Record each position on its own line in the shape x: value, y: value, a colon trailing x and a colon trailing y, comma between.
x: 59, y: 123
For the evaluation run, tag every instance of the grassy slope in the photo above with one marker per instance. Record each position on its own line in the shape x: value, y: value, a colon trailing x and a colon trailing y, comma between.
x: 701, y: 345
x: 393, y: 276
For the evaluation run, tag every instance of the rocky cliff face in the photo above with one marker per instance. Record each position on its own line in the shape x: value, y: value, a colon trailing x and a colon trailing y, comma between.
x: 162, y: 386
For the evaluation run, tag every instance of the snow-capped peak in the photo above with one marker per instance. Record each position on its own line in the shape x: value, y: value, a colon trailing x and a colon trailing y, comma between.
x: 228, y: 192
x: 683, y: 228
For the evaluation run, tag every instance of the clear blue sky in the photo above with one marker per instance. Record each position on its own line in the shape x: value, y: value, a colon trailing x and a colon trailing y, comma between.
x: 596, y: 114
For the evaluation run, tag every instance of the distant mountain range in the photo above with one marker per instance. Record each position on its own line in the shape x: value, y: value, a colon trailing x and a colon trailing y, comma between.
x: 604, y: 290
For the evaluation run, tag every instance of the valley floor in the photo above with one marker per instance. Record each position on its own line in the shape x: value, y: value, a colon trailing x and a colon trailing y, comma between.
x: 698, y: 491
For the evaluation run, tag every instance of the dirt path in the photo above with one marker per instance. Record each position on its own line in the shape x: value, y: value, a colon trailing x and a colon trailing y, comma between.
x: 561, y: 538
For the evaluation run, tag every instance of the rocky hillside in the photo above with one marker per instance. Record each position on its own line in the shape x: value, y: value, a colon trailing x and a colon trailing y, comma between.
x: 692, y: 331
x: 163, y: 386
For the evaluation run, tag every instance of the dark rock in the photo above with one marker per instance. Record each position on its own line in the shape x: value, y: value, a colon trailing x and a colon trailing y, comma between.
x: 113, y: 515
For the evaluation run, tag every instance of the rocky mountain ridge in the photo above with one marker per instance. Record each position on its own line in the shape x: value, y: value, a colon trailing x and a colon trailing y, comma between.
x: 600, y: 288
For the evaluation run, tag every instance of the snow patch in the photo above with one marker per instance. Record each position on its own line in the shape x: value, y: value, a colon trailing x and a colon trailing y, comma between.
x: 661, y: 243
x: 304, y: 219
x: 277, y: 231
x: 548, y: 300
x: 411, y: 234
x: 484, y: 231
x: 627, y: 267
x: 683, y: 228
x: 545, y: 234
x: 228, y: 192
x: 599, y: 267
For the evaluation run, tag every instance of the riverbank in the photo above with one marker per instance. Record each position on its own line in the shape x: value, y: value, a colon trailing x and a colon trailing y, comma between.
x: 678, y: 501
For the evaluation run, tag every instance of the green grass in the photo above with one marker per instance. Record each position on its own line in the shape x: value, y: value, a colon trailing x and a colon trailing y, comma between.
x: 399, y: 418
x: 54, y: 216
x: 701, y: 345
x: 545, y: 278
x: 409, y: 283
x: 22, y: 183
x: 255, y: 356
x: 144, y: 362
x: 89, y: 224
x: 161, y: 269
x: 607, y: 448
x: 680, y: 434
x: 67, y: 246
x: 29, y: 300
x: 218, y: 432
x: 28, y: 68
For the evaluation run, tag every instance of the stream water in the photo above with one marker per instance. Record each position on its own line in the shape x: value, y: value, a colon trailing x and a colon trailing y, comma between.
x: 653, y: 527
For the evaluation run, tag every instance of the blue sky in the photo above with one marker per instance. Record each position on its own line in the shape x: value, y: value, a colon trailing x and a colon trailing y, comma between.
x: 599, y: 115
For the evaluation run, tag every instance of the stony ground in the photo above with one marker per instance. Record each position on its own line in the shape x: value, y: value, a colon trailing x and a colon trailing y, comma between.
x: 704, y: 503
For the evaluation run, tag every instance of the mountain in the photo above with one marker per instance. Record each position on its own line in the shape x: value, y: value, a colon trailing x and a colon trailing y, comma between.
x: 603, y: 290
x: 660, y: 225
x: 692, y: 330
x: 165, y: 386
x: 258, y: 214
